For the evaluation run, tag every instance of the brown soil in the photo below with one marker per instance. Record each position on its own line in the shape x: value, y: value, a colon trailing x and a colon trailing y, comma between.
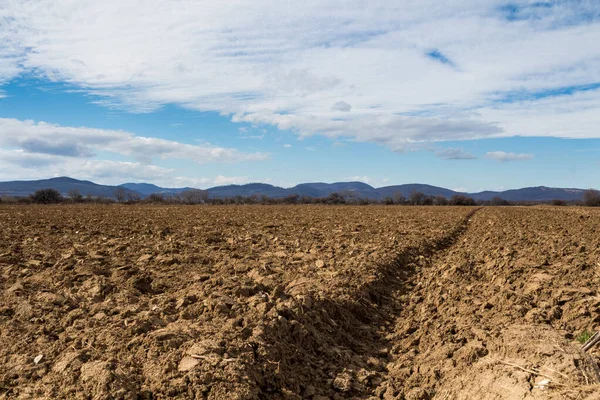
x: 298, y: 302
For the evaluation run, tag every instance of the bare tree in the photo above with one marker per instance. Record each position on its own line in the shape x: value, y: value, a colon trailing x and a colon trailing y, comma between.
x: 416, y: 198
x: 156, y: 198
x: 120, y: 194
x: 398, y: 198
x: 75, y: 195
x: 133, y: 197
x: 194, y: 196
x: 591, y: 198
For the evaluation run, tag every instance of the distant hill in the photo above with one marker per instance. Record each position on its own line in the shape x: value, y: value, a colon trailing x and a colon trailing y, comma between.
x: 62, y: 184
x: 258, y: 189
x: 320, y: 189
x: 539, y: 193
x: 147, y: 189
x: 316, y: 189
x: 406, y: 190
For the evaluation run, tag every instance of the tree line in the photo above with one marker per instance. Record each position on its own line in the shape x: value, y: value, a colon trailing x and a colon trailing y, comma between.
x: 591, y: 198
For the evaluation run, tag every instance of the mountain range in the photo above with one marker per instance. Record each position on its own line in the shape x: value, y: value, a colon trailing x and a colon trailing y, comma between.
x: 359, y: 189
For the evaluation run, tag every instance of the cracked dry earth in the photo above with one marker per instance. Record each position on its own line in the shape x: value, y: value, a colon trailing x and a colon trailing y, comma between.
x: 298, y: 302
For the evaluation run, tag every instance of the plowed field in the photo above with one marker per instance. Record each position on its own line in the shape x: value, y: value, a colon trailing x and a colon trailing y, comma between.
x: 273, y: 302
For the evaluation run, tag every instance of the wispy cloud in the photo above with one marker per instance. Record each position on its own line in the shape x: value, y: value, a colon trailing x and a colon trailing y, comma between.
x: 454, y: 154
x: 504, y: 156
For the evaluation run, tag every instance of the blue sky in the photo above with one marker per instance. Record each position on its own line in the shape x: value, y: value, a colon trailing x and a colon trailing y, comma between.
x: 461, y: 94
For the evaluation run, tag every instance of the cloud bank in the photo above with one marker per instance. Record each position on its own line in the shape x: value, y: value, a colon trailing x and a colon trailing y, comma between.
x: 396, y: 72
x: 39, y: 149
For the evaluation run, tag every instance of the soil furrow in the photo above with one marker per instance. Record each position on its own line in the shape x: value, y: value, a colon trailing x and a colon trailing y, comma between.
x: 341, y: 343
x: 199, y: 302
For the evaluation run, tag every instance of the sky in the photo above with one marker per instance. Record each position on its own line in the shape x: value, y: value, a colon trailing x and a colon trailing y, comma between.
x: 468, y: 95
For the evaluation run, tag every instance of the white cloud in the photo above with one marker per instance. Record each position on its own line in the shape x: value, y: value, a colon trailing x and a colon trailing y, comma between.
x: 37, y: 150
x: 284, y: 64
x: 51, y: 139
x: 358, y: 178
x: 341, y: 106
x: 454, y: 154
x: 396, y: 132
x: 218, y: 180
x: 504, y: 156
x: 287, y: 145
x: 41, y: 166
x: 230, y: 180
x: 37, y: 166
x: 375, y: 182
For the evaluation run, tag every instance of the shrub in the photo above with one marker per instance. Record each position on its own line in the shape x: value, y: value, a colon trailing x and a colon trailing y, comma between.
x: 46, y: 196
x: 334, y: 198
x: 498, y: 201
x: 440, y: 201
x: 461, y: 200
x: 291, y: 199
x: 416, y: 198
x: 156, y: 198
x: 388, y: 201
x: 558, y: 202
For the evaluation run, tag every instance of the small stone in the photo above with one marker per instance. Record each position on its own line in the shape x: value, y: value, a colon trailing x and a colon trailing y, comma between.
x: 188, y: 363
x: 144, y: 258
x: 37, y: 359
x: 320, y: 263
